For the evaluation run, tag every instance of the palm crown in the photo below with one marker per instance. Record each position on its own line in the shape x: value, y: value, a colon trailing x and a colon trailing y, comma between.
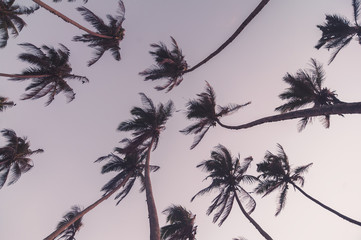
x: 49, y: 72
x: 181, y: 224
x: 10, y: 19
x: 170, y: 64
x: 276, y: 173
x: 69, y: 233
x: 226, y: 174
x: 15, y: 157
x: 206, y: 113
x: 305, y: 89
x: 5, y: 103
x: 114, y: 30
x: 337, y: 31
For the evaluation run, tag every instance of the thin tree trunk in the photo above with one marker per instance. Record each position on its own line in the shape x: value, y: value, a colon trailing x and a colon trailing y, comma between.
x: 254, y: 223
x: 234, y: 35
x: 54, y: 234
x: 23, y: 76
x: 68, y: 20
x: 152, y: 210
x: 326, y: 207
x: 342, y: 108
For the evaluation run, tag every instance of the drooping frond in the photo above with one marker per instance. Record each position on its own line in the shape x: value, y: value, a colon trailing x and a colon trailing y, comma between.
x: 69, y: 233
x: 5, y: 103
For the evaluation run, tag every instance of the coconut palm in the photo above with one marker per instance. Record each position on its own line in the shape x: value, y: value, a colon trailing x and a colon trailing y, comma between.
x: 227, y: 175
x: 128, y: 169
x: 276, y: 174
x: 49, y: 71
x: 10, y: 19
x: 114, y: 30
x: 170, y: 64
x: 146, y: 125
x: 107, y: 37
x: 206, y: 113
x: 69, y: 232
x: 15, y: 157
x: 306, y: 87
x: 4, y: 103
x: 338, y: 31
x: 181, y: 224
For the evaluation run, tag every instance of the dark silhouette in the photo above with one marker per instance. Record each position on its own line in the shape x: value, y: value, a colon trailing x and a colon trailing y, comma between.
x: 5, y: 103
x: 69, y: 232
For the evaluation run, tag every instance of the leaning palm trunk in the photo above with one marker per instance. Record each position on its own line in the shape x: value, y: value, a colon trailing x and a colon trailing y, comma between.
x: 339, y: 109
x: 326, y: 207
x: 58, y: 231
x: 234, y: 35
x: 254, y: 223
x: 68, y: 20
x: 23, y: 76
x: 152, y: 210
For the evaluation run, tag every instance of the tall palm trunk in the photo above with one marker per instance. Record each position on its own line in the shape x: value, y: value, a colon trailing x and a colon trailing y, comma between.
x: 254, y: 223
x: 234, y: 35
x: 326, y: 207
x: 23, y: 76
x: 68, y: 20
x: 152, y: 210
x: 339, y: 109
x: 54, y: 234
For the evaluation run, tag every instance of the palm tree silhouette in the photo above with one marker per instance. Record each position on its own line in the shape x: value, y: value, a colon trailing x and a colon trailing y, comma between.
x: 305, y: 89
x: 146, y: 125
x: 128, y: 169
x: 49, y: 72
x: 69, y: 232
x: 5, y: 103
x: 227, y: 173
x: 181, y: 224
x: 276, y: 173
x: 10, y: 19
x: 337, y: 31
x: 206, y: 113
x: 170, y: 64
x: 15, y: 157
x: 108, y: 37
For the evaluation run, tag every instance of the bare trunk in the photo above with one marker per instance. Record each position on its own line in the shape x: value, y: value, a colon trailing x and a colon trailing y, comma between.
x: 23, y: 76
x: 234, y: 35
x: 152, y: 210
x: 254, y: 223
x: 54, y: 234
x: 326, y: 207
x: 68, y: 20
x: 342, y: 108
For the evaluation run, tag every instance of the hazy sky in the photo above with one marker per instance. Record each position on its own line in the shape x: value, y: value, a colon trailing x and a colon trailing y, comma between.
x: 281, y: 39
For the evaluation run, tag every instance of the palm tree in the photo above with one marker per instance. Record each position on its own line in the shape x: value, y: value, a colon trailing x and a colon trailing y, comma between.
x: 107, y: 37
x: 206, y: 113
x: 15, y: 157
x: 128, y: 169
x: 10, y: 19
x: 49, y: 72
x: 338, y: 31
x: 69, y: 233
x: 276, y: 173
x: 4, y: 103
x: 181, y: 224
x: 305, y: 89
x: 114, y: 30
x: 227, y: 173
x: 170, y: 64
x: 146, y: 125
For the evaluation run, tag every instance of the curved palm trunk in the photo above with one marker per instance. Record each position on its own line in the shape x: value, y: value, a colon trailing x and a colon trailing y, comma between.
x: 326, y: 207
x: 54, y: 234
x: 68, y: 20
x: 23, y: 76
x: 342, y: 108
x: 254, y: 223
x: 234, y: 35
x: 152, y: 210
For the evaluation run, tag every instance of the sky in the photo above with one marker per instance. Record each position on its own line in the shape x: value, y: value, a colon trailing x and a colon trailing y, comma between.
x: 73, y: 135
